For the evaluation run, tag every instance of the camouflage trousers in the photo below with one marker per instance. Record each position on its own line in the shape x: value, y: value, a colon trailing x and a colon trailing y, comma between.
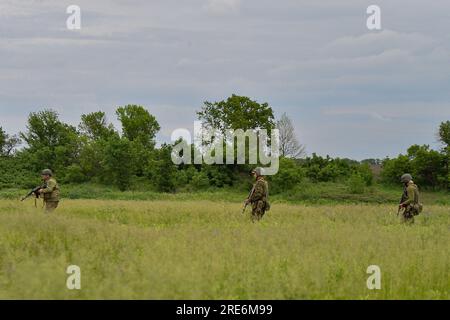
x: 50, y: 206
x: 408, y: 214
x: 258, y: 210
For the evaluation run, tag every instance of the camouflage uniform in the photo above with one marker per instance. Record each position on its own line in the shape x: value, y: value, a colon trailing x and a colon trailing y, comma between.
x: 258, y: 199
x: 51, y: 195
x: 410, y: 201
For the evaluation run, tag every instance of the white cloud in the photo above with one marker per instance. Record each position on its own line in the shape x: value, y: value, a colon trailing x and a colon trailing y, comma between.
x: 315, y: 60
x: 373, y: 43
x: 220, y: 7
x: 392, y: 111
x: 357, y: 112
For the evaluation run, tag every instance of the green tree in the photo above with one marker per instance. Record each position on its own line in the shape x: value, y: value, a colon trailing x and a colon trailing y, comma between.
x: 444, y: 133
x: 7, y: 143
x: 444, y: 138
x: 393, y: 169
x: 138, y: 124
x: 162, y: 172
x: 96, y: 134
x: 140, y: 128
x: 237, y: 112
x: 51, y: 143
x: 92, y: 160
x: 427, y: 165
x: 119, y: 162
x: 95, y: 126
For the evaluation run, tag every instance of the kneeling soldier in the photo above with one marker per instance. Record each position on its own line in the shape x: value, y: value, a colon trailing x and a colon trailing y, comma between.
x: 50, y: 192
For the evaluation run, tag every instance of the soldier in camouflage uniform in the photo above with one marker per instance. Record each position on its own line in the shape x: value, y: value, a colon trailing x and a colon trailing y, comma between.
x: 259, y: 196
x: 50, y: 191
x: 410, y: 199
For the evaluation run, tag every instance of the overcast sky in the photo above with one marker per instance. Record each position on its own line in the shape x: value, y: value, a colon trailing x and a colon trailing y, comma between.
x: 350, y: 92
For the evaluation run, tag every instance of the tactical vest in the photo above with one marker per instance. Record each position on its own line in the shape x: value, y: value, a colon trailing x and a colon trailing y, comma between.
x: 54, y: 195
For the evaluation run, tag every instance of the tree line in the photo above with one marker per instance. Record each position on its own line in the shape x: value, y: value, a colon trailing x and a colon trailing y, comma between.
x: 97, y: 152
x: 430, y: 168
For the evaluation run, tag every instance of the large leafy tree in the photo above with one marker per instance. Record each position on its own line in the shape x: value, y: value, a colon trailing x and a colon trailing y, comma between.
x: 50, y: 142
x: 236, y: 112
x: 422, y: 162
x: 95, y: 126
x: 444, y: 138
x: 138, y: 124
x: 97, y: 133
x: 44, y: 129
x: 119, y: 162
x: 140, y: 128
x: 162, y: 171
x: 427, y: 165
x: 444, y: 133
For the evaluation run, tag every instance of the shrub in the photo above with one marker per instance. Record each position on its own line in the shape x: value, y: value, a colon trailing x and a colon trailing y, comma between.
x: 75, y: 174
x: 289, y: 175
x: 356, y: 184
x: 200, y: 181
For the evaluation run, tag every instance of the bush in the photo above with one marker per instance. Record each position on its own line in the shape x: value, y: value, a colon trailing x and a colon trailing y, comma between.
x: 74, y: 174
x: 200, y: 181
x: 366, y: 173
x: 162, y: 171
x: 356, y: 184
x: 289, y: 175
x: 426, y: 165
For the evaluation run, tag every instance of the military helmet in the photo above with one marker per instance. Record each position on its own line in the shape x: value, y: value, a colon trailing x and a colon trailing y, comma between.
x: 47, y: 172
x: 406, y: 178
x: 258, y: 171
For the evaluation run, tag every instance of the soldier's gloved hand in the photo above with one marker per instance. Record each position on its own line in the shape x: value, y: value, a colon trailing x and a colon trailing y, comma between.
x: 41, y: 191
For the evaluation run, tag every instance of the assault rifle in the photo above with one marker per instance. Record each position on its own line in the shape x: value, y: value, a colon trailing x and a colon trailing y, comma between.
x: 403, y: 199
x: 246, y: 200
x: 399, y: 209
x: 34, y: 192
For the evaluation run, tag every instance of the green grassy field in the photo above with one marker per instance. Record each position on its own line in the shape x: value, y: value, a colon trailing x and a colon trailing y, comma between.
x: 307, y: 193
x: 208, y: 250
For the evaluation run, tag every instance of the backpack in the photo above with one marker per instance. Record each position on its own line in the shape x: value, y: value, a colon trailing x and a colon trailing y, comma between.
x: 417, y: 206
x: 267, y: 207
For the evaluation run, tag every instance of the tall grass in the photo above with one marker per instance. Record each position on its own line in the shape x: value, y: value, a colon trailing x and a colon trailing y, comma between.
x: 208, y: 250
x: 305, y: 193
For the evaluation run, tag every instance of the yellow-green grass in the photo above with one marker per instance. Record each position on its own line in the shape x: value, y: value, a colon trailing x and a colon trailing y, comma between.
x: 208, y: 250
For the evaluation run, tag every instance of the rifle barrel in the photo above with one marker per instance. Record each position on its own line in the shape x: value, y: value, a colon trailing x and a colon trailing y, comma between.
x: 33, y: 191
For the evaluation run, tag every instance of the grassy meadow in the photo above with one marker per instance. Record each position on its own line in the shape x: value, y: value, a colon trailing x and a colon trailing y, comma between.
x: 209, y: 250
